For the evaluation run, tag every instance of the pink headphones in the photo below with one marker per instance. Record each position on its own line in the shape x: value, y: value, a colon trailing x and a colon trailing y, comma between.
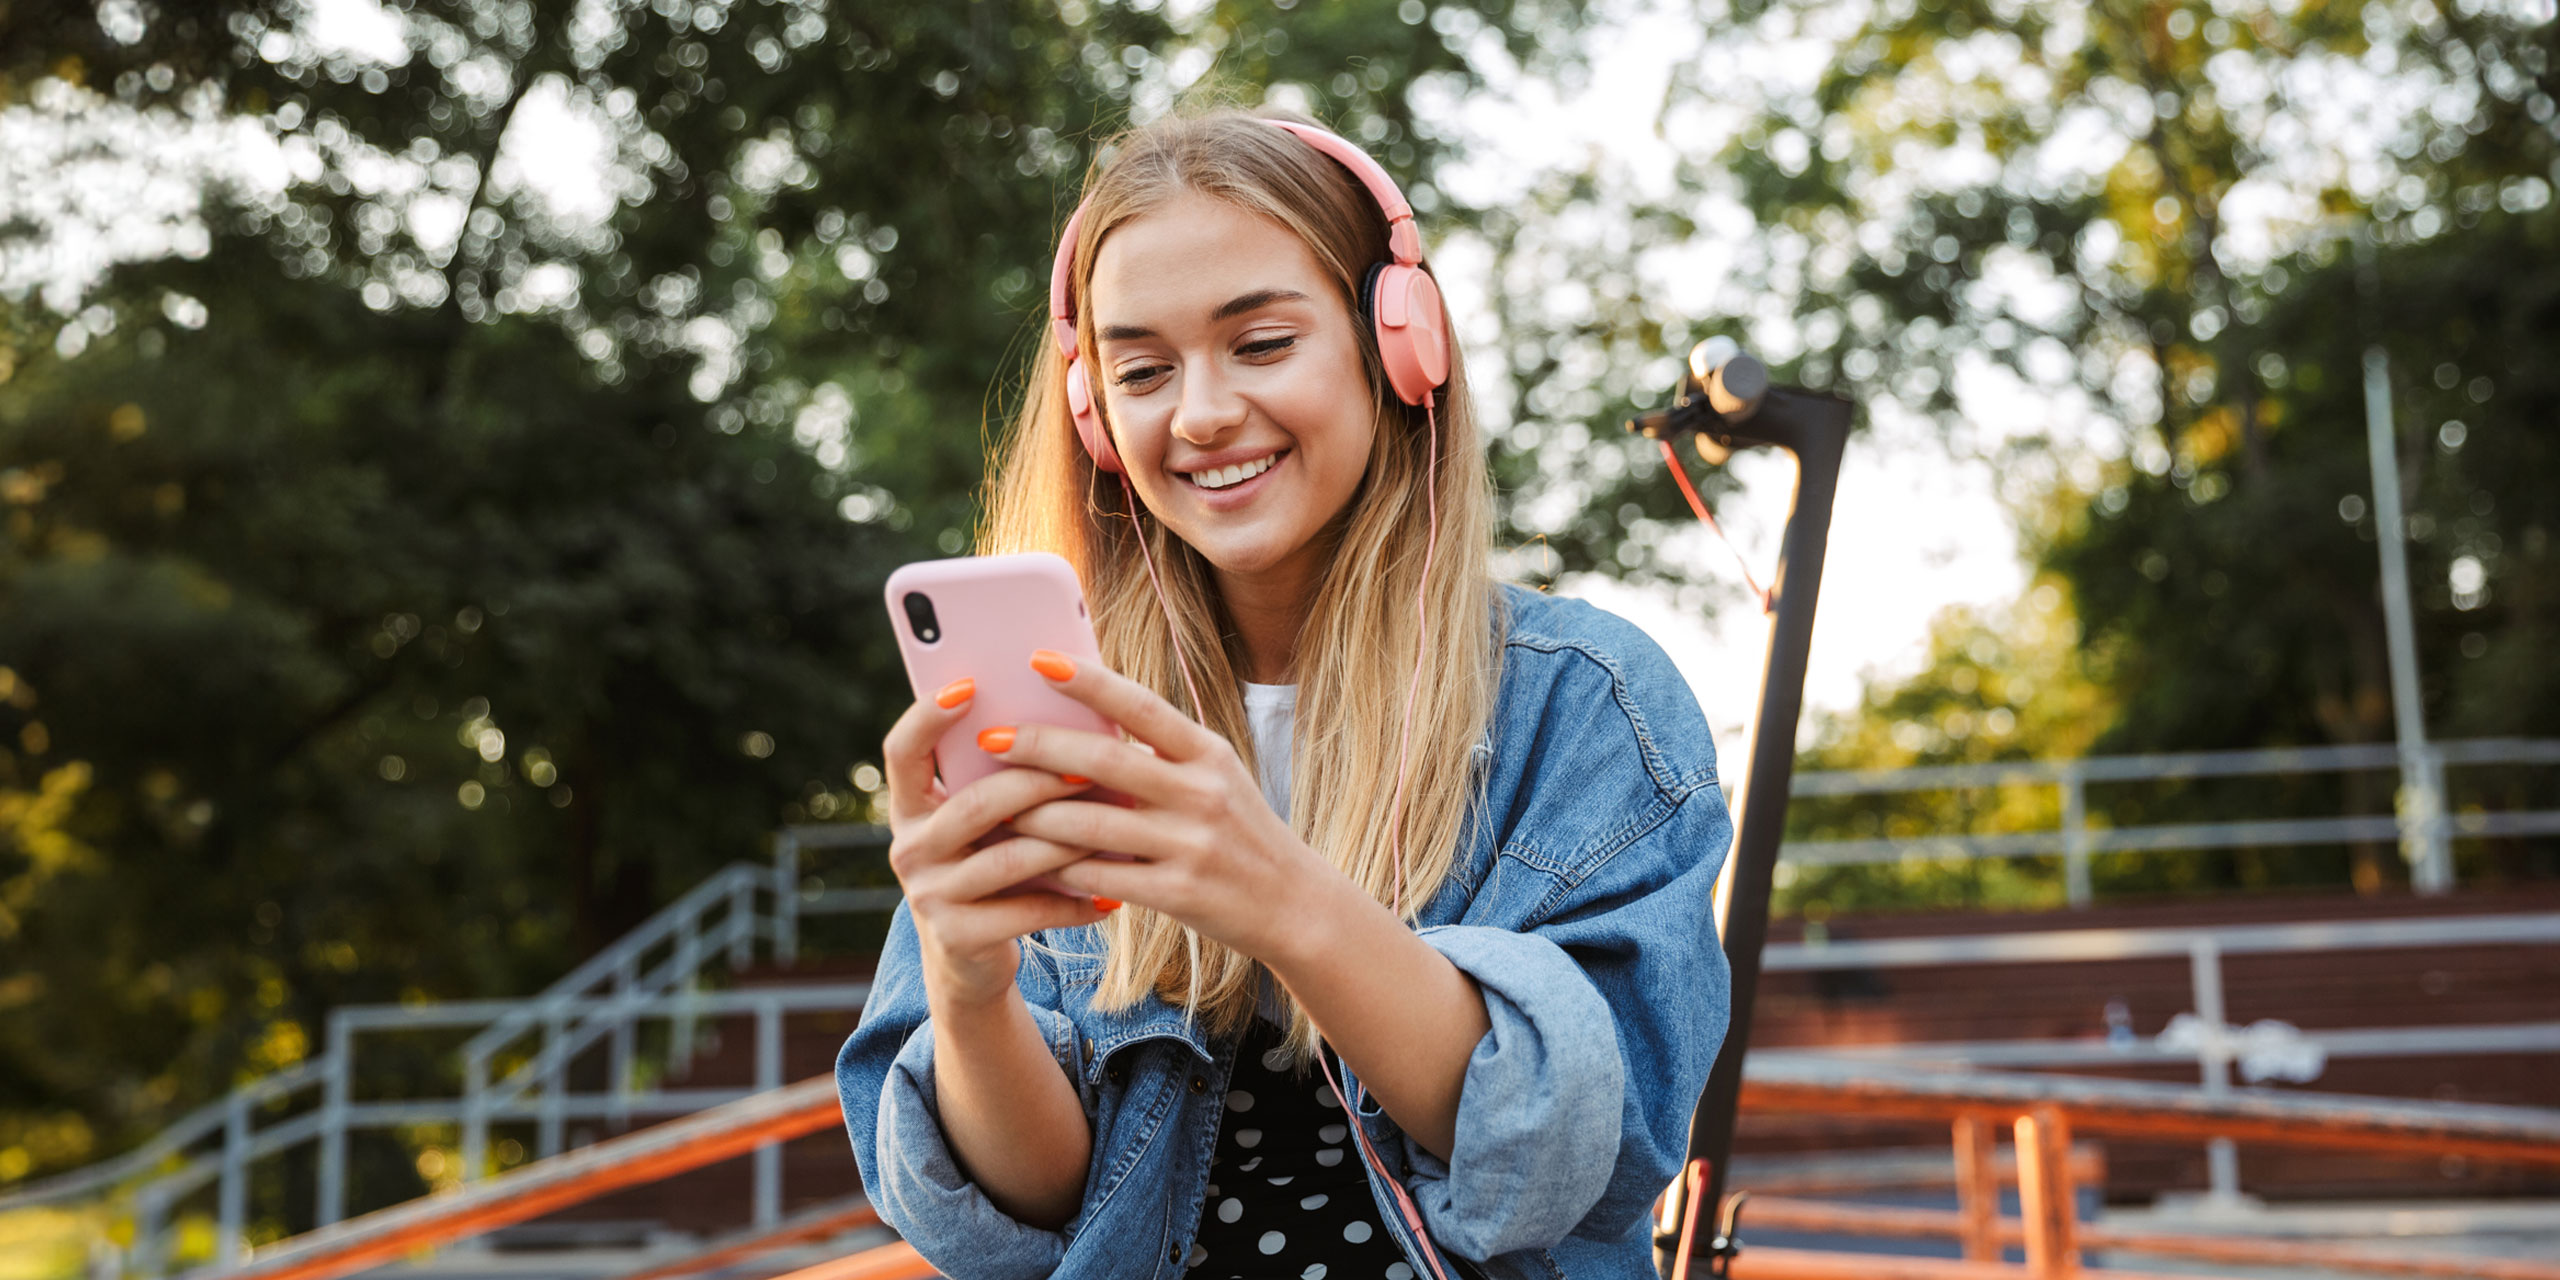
x: 1401, y: 299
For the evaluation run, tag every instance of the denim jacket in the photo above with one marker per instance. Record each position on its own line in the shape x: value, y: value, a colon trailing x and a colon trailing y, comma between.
x: 1579, y: 903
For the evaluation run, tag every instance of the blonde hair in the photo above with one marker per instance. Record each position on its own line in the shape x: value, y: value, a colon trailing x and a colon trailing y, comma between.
x: 1356, y: 650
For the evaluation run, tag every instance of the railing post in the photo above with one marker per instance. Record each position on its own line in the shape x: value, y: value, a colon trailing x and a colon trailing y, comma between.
x: 475, y: 1115
x: 2432, y: 871
x: 626, y: 990
x: 336, y: 1085
x: 680, y: 1028
x: 1978, y: 1188
x: 742, y: 923
x: 554, y: 1081
x: 233, y: 1202
x: 768, y: 1162
x: 2213, y: 1060
x: 2076, y: 888
x: 149, y: 1256
x: 786, y: 899
x: 2046, y: 1199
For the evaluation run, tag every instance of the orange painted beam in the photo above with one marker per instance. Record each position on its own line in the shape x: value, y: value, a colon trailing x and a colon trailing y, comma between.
x: 648, y: 1155
x: 1832, y: 1217
x: 2383, y: 1125
x: 1812, y: 1264
x: 898, y: 1261
x: 833, y: 1224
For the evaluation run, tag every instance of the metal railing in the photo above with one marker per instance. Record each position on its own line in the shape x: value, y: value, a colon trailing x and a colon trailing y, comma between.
x: 514, y: 1069
x: 2045, y: 1112
x: 2215, y: 1044
x: 2076, y: 841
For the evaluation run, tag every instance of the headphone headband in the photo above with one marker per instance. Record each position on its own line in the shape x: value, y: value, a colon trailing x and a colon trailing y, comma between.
x: 1400, y: 299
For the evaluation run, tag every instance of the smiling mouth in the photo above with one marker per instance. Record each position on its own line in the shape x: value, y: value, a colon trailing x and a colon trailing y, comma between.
x: 1229, y: 477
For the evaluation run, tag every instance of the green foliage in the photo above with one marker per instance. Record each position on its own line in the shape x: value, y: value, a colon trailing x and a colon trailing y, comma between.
x: 2016, y: 685
x: 2223, y: 572
x: 430, y: 577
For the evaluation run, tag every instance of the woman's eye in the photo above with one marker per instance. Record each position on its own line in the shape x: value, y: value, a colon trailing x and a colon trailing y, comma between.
x: 1132, y: 377
x: 1268, y: 346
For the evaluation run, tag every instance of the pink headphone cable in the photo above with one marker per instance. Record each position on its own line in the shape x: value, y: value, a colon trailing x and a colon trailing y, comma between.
x: 1421, y: 646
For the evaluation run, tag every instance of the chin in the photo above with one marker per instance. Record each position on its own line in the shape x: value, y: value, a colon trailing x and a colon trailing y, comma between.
x: 1246, y: 558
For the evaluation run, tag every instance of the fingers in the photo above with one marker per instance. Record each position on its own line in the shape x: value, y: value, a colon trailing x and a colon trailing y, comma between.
x: 947, y: 832
x: 1131, y: 705
x: 1003, y: 865
x: 1114, y: 880
x: 1025, y: 913
x: 1084, y: 824
x: 1083, y: 755
x: 907, y: 753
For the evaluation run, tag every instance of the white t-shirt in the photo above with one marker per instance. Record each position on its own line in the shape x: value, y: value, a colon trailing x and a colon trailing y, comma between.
x: 1272, y: 709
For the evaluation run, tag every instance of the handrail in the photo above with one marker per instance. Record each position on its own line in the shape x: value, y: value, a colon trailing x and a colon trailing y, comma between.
x: 2077, y: 840
x: 2166, y: 766
x: 2048, y: 945
x: 660, y: 1151
x: 2146, y: 1109
x: 193, y: 1127
x: 718, y: 887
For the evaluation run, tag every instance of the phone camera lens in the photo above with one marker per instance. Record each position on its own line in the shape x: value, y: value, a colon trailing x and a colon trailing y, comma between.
x: 920, y: 617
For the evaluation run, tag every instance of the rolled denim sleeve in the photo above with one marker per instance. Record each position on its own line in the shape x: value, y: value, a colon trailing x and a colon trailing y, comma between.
x: 885, y: 1080
x: 1605, y: 1020
x: 1539, y: 1114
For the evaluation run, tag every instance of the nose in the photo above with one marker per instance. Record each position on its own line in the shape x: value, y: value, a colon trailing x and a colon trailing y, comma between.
x: 1209, y: 406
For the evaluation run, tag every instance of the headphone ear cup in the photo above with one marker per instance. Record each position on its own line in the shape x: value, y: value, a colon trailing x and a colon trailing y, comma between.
x: 1413, y: 336
x: 1089, y: 428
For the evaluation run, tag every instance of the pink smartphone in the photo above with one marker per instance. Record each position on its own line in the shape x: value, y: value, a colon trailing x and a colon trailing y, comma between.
x: 981, y: 617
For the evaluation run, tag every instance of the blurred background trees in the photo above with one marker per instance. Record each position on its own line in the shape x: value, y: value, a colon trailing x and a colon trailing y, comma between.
x: 471, y: 532
x: 464, y: 529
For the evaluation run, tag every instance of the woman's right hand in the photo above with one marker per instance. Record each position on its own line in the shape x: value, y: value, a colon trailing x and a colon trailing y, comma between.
x: 966, y: 922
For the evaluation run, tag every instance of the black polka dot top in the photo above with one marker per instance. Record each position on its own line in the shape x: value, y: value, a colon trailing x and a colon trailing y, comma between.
x: 1289, y: 1198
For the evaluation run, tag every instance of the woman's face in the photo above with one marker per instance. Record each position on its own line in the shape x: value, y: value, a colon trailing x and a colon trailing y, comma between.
x: 1221, y: 344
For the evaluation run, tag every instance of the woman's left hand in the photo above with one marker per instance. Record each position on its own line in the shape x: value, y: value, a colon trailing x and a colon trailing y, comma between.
x: 1206, y: 848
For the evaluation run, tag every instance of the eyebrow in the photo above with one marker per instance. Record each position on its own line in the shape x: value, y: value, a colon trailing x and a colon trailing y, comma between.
x: 1229, y: 309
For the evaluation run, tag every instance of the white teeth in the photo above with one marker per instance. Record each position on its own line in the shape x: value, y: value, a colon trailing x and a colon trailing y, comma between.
x: 1223, y: 477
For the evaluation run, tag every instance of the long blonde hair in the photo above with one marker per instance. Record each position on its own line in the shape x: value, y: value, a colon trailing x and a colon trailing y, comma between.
x: 1356, y: 649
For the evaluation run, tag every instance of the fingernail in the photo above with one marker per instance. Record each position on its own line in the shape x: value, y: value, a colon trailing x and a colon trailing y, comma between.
x: 1105, y: 905
x: 996, y: 741
x: 1053, y: 664
x: 1074, y: 779
x: 955, y: 693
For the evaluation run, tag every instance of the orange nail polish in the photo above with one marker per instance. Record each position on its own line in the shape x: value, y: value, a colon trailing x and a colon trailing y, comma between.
x: 955, y: 693
x: 996, y: 741
x: 1053, y: 664
x: 1105, y: 905
x: 1074, y: 779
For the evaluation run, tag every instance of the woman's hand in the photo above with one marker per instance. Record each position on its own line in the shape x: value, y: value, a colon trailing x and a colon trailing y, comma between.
x: 966, y: 922
x: 1203, y: 843
x: 1210, y: 853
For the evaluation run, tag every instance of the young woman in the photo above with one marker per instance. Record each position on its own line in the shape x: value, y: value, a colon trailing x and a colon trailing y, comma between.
x: 1400, y: 837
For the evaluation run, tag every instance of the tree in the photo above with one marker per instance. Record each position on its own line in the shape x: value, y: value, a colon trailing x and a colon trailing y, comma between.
x: 430, y: 567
